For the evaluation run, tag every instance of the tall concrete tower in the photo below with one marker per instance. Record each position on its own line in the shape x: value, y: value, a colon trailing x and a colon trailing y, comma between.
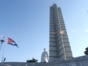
x: 59, y: 46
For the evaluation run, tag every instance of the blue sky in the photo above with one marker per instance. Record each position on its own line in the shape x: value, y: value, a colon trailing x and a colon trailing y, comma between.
x: 27, y: 22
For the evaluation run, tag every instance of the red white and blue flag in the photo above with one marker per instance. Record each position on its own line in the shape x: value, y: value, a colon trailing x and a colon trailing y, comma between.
x: 12, y: 42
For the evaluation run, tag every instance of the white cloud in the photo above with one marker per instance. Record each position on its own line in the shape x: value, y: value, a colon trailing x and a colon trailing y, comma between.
x: 86, y: 30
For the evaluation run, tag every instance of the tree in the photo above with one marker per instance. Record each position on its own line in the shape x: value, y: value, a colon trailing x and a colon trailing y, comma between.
x: 86, y: 52
x: 33, y: 61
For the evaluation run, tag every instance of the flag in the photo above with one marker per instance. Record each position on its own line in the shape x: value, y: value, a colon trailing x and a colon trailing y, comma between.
x: 12, y: 42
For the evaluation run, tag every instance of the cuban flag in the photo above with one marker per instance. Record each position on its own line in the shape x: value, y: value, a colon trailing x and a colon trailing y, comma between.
x: 12, y: 42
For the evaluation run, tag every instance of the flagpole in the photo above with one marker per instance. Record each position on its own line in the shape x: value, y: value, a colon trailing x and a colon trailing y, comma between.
x: 4, y: 52
x: 0, y: 47
x: 1, y: 42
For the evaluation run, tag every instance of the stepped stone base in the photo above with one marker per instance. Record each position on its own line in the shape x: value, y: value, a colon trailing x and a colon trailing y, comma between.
x: 79, y: 61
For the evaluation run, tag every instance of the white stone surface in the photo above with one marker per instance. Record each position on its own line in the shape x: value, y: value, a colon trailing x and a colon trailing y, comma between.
x: 53, y: 53
x: 44, y: 57
x: 52, y: 44
x: 53, y: 48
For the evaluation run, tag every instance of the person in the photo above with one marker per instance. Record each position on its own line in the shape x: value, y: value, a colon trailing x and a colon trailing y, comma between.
x: 44, y: 56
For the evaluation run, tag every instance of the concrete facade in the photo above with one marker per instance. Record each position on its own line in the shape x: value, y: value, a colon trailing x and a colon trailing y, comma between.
x: 59, y: 46
x: 79, y: 61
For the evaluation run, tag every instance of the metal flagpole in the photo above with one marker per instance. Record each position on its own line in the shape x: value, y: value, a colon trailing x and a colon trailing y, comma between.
x: 1, y: 42
x: 0, y: 47
x: 4, y: 52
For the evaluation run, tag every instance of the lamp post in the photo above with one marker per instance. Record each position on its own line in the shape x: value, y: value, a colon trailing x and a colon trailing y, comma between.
x: 1, y: 41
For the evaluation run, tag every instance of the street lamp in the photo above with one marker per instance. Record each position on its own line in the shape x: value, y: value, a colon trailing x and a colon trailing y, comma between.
x: 1, y: 41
